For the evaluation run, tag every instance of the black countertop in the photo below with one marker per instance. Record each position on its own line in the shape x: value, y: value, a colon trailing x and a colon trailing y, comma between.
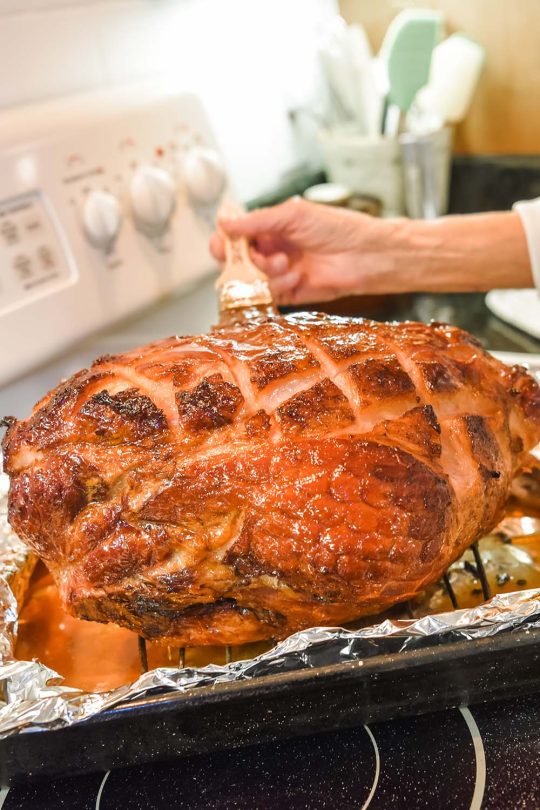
x: 466, y: 310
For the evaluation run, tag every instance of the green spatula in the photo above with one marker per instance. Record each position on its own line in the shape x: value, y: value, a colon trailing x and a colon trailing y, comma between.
x: 406, y: 51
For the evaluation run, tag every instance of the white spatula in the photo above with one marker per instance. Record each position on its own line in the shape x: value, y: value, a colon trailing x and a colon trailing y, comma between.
x: 455, y: 71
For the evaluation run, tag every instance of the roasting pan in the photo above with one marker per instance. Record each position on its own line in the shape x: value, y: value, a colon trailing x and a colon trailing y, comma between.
x: 320, y: 680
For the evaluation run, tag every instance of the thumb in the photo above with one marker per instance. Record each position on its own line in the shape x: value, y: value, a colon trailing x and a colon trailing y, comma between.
x: 262, y: 220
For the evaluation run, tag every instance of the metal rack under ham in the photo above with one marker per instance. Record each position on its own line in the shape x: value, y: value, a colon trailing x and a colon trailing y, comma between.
x: 179, y: 653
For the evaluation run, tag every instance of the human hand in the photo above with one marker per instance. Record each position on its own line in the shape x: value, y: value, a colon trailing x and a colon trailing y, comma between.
x: 313, y: 252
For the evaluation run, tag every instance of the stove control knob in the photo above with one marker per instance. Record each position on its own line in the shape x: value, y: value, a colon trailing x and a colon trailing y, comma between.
x: 153, y: 198
x: 204, y: 174
x: 102, y: 219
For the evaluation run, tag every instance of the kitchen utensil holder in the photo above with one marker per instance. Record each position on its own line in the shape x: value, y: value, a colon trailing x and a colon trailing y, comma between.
x: 373, y: 166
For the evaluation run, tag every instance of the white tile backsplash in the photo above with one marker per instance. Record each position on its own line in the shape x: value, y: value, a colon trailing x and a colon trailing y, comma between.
x: 44, y: 55
x: 25, y: 6
x: 247, y: 59
x: 137, y: 41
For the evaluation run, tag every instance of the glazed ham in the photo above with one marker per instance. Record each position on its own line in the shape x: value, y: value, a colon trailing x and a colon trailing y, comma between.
x: 289, y: 472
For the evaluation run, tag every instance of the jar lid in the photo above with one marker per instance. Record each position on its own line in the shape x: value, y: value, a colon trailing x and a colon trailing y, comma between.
x: 328, y: 193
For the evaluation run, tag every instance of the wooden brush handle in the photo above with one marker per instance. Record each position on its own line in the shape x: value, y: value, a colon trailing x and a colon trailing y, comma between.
x: 238, y: 264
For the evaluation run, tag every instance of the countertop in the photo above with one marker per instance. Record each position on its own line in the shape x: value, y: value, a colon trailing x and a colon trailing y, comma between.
x: 466, y: 310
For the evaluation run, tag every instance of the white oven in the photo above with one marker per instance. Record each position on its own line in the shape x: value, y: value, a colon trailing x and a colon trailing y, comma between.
x: 106, y: 204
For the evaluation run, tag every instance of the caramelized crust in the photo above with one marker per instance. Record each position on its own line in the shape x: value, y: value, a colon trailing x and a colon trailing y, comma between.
x: 212, y: 404
x: 127, y: 416
x: 380, y: 377
x: 321, y: 408
x: 295, y: 471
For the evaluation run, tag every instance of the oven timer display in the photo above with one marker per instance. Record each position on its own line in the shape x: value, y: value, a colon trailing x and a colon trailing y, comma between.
x: 32, y: 259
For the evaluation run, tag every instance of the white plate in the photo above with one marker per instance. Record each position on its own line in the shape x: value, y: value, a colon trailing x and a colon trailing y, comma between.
x: 519, y: 308
x: 531, y: 361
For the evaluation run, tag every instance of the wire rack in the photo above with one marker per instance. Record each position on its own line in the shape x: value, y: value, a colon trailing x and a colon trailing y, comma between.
x: 177, y: 655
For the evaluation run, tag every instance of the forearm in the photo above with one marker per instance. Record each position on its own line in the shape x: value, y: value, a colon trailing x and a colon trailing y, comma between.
x: 474, y: 252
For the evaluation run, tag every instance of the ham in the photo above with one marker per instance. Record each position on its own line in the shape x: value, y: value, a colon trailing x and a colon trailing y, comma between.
x: 276, y: 474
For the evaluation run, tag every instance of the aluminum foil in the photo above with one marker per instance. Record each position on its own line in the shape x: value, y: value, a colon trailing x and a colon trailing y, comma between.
x: 34, y: 698
x: 16, y: 566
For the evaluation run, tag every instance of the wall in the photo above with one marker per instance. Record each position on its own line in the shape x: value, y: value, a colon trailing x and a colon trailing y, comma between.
x: 249, y: 60
x: 505, y: 117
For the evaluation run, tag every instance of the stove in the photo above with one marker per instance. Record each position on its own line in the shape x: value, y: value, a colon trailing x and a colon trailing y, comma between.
x: 483, y: 757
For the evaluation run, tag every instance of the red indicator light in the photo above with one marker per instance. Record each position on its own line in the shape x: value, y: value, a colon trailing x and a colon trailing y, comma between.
x: 160, y: 151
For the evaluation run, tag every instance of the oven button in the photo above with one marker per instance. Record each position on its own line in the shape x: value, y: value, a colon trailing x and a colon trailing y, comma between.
x: 9, y: 232
x: 33, y: 225
x: 101, y: 219
x: 46, y: 257
x: 153, y: 199
x: 204, y: 174
x: 23, y: 267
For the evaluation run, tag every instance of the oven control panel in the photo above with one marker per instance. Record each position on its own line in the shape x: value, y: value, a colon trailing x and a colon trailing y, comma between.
x: 31, y: 255
x: 107, y: 203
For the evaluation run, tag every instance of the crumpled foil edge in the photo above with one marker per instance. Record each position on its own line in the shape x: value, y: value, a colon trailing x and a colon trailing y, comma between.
x: 33, y: 703
x: 33, y: 697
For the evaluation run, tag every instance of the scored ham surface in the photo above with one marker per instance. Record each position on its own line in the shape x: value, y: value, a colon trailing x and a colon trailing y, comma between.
x: 285, y: 473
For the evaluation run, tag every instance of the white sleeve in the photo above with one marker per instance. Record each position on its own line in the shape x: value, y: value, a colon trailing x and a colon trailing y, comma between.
x: 529, y: 211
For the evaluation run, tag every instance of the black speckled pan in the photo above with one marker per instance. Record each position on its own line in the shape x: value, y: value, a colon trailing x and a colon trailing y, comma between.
x: 278, y: 706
